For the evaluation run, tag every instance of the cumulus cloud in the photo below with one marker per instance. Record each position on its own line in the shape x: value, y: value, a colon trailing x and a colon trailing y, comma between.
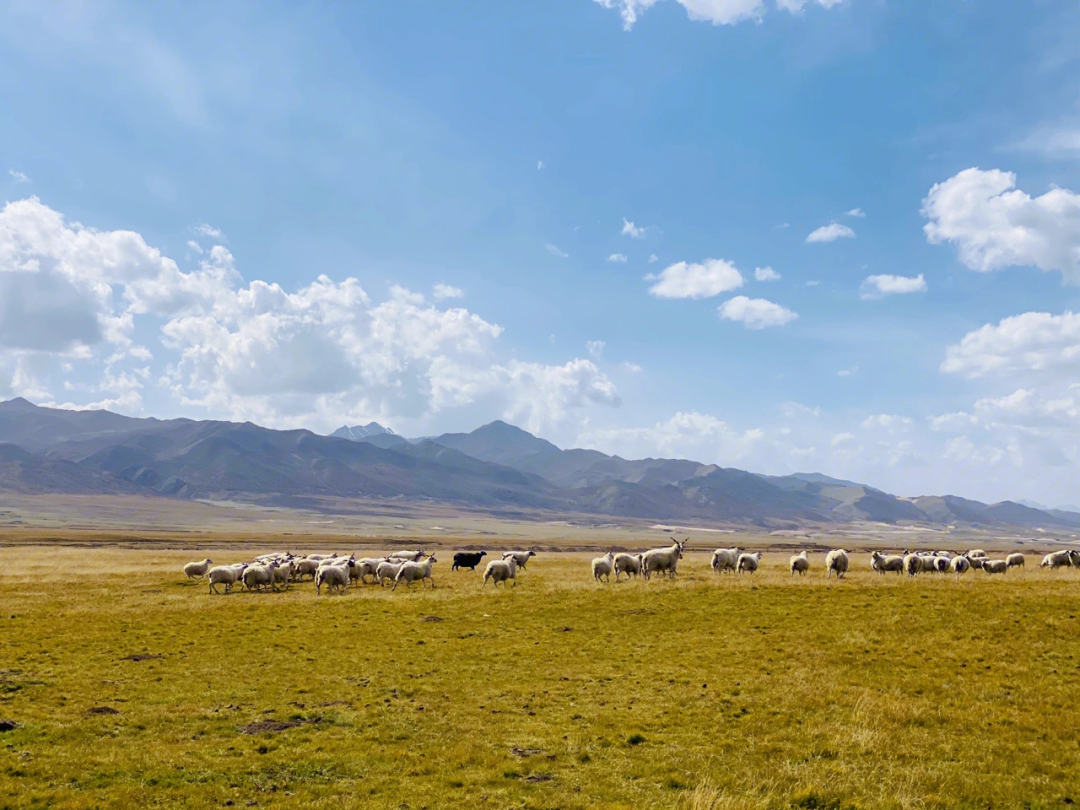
x: 688, y: 435
x: 994, y: 225
x: 18, y: 176
x: 856, y: 212
x: 717, y: 12
x: 1033, y: 344
x: 755, y: 313
x: 766, y: 274
x: 555, y: 251
x: 444, y: 291
x: 876, y: 287
x: 208, y: 231
x: 653, y: 258
x: 312, y: 357
x: 631, y: 230
x: 682, y: 280
x: 619, y: 258
x: 830, y: 233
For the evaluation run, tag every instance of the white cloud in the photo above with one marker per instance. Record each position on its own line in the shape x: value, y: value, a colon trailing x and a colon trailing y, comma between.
x: 682, y: 280
x: 555, y: 251
x: 847, y: 372
x: 595, y: 348
x: 685, y: 435
x: 631, y: 230
x: 755, y: 313
x: 717, y: 12
x: 1035, y: 345
x: 856, y: 212
x: 194, y: 246
x: 812, y: 283
x: 766, y: 274
x: 653, y: 258
x: 1056, y: 140
x: 994, y: 225
x: 633, y: 368
x: 877, y: 287
x: 313, y: 357
x: 18, y: 176
x: 444, y: 291
x: 830, y: 233
x: 539, y: 165
x: 617, y: 257
x: 208, y: 230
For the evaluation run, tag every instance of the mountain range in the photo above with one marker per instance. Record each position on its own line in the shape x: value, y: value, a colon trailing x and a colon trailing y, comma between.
x: 497, y: 468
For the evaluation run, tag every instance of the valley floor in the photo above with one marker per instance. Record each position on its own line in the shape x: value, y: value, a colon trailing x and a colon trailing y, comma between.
x: 133, y: 687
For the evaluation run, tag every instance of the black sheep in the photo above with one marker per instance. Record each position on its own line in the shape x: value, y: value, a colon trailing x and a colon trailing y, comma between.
x: 467, y: 559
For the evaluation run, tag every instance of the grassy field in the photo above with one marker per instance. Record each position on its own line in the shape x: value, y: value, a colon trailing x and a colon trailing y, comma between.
x: 706, y: 692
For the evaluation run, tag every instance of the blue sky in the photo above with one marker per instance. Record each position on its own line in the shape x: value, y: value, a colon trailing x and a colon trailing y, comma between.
x: 190, y: 189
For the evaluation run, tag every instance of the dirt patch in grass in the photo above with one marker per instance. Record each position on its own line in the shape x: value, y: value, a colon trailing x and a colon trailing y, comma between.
x: 274, y: 726
x: 8, y: 725
x: 102, y: 710
x: 526, y: 752
x: 539, y: 777
x: 142, y: 657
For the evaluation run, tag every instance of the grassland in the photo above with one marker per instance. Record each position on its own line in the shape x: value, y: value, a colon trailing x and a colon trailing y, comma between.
x: 706, y: 692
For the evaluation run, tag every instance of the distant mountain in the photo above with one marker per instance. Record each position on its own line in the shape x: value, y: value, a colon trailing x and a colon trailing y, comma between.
x: 496, y: 468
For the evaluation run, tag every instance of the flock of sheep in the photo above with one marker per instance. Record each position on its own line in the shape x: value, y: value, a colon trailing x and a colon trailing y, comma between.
x: 277, y: 571
x: 271, y: 571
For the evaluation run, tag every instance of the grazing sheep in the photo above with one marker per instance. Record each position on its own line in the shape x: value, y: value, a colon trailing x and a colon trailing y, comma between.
x: 387, y: 571
x: 1058, y: 559
x: 227, y: 575
x: 800, y: 562
x: 748, y: 562
x: 467, y: 559
x: 629, y: 564
x: 520, y: 557
x: 940, y: 563
x: 960, y: 565
x: 368, y: 566
x: 405, y: 556
x: 603, y: 566
x: 724, y: 559
x: 334, y: 577
x: 836, y: 562
x: 976, y: 553
x: 305, y: 567
x: 321, y: 557
x: 886, y: 562
x: 500, y: 571
x: 928, y: 563
x: 995, y: 566
x: 283, y: 573
x: 412, y: 571
x: 661, y: 560
x: 1015, y: 560
x: 976, y: 562
x: 257, y: 577
x: 912, y: 564
x: 197, y: 570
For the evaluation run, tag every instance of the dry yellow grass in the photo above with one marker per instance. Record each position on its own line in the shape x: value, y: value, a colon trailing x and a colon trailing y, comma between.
x: 706, y: 692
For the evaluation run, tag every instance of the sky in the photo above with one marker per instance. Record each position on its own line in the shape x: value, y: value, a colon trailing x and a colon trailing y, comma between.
x: 780, y: 235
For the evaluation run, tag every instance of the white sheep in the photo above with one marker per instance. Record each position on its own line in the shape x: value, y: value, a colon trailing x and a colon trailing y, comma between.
x: 748, y: 562
x: 661, y: 560
x: 995, y: 566
x: 1015, y: 560
x: 629, y: 564
x: 912, y: 564
x: 1057, y: 559
x: 521, y: 558
x: 197, y: 570
x: 257, y: 577
x: 799, y: 562
x: 887, y: 562
x: 959, y: 565
x: 367, y: 566
x: 305, y: 567
x: 334, y: 577
x: 928, y: 563
x: 603, y: 566
x: 227, y: 575
x: 412, y: 571
x: 387, y: 571
x: 836, y: 562
x: 500, y: 571
x: 976, y: 553
x: 283, y: 573
x: 321, y: 557
x: 405, y: 556
x: 724, y: 559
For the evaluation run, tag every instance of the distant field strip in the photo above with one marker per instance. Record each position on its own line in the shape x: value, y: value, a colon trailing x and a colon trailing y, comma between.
x: 133, y: 688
